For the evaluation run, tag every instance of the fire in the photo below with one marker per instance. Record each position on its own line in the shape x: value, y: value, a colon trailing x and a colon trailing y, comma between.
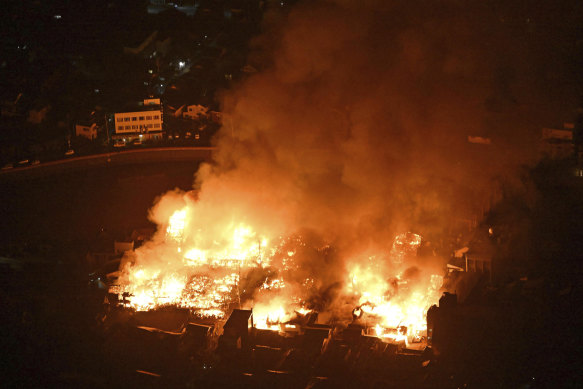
x: 176, y: 225
x: 273, y: 316
x: 207, y: 296
x: 396, y: 306
x: 398, y: 334
x: 204, y: 278
x: 208, y: 276
x: 269, y: 318
x: 401, y: 318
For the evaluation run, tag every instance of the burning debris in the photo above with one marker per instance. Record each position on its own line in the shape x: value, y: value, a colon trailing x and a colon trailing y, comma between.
x: 323, y: 165
x: 326, y: 162
x: 388, y: 299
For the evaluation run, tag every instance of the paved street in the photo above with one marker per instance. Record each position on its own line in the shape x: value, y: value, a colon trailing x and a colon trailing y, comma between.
x: 112, y: 159
x: 70, y: 200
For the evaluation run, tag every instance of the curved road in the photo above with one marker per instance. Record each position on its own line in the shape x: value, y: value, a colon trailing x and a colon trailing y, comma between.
x: 112, y: 159
x: 71, y: 199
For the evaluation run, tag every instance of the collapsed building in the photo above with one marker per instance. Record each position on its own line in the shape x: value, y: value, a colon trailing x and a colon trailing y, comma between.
x: 294, y: 340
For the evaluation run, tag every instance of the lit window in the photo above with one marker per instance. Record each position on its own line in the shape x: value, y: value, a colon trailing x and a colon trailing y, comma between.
x: 156, y: 125
x: 149, y: 126
x: 148, y: 118
x: 120, y: 119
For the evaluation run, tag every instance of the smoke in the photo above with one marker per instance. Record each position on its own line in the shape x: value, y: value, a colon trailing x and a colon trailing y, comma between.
x: 356, y: 129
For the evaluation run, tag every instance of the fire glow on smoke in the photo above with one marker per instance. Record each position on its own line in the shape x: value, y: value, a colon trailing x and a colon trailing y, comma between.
x: 324, y: 162
x: 243, y: 269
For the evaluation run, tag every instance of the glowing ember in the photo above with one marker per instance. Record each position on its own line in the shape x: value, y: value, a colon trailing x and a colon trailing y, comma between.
x: 176, y: 225
x: 397, y: 334
x: 275, y: 317
x: 271, y: 319
x: 403, y: 245
x: 394, y: 304
x: 210, y: 276
x: 400, y: 312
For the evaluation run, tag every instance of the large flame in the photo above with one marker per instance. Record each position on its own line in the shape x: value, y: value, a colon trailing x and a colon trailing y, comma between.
x: 353, y: 149
x: 211, y: 280
x: 395, y: 305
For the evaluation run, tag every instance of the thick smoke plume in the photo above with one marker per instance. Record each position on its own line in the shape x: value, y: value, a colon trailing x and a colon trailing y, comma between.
x: 356, y: 129
x: 358, y: 126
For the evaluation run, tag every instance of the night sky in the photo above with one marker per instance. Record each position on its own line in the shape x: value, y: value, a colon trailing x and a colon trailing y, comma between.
x: 344, y: 124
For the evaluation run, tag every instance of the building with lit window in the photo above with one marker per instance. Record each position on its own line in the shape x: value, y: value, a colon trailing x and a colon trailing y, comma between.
x: 144, y: 124
x: 557, y: 143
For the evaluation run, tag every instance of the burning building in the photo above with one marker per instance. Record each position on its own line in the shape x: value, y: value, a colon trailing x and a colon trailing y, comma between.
x: 248, y: 271
x: 337, y: 164
x: 323, y: 163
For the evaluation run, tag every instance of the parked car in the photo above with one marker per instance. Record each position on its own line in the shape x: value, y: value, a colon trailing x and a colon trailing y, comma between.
x: 69, y: 152
x: 119, y: 143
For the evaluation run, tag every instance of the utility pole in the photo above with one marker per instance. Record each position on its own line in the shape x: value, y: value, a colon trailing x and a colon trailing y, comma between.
x: 107, y: 135
x: 106, y: 129
x: 239, y: 284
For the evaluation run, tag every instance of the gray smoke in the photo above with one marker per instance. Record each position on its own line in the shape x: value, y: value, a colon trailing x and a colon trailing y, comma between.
x: 357, y: 127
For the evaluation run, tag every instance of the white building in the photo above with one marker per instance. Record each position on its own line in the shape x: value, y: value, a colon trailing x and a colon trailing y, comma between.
x: 145, y: 124
x: 195, y: 112
x: 557, y: 143
x: 89, y: 132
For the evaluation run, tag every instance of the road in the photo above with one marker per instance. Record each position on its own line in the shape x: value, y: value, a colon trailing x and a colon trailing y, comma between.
x: 71, y: 199
x: 112, y: 159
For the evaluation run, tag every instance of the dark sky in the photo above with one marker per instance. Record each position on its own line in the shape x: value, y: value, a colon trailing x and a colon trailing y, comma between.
x: 530, y: 48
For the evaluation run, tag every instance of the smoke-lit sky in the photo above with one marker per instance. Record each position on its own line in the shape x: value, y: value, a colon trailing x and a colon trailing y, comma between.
x: 357, y: 124
x: 355, y: 129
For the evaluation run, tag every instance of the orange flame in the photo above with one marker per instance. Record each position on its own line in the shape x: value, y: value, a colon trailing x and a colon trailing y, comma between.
x: 207, y: 279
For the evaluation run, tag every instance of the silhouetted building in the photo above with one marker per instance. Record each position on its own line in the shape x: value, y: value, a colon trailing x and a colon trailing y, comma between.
x: 557, y: 143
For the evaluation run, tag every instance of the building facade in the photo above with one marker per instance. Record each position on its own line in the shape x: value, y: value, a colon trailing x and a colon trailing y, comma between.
x: 557, y: 143
x: 89, y: 132
x: 146, y: 124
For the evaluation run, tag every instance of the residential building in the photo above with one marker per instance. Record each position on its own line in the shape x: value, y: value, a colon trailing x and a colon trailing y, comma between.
x: 195, y: 112
x: 89, y: 132
x: 145, y: 124
x: 198, y: 112
x: 557, y: 143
